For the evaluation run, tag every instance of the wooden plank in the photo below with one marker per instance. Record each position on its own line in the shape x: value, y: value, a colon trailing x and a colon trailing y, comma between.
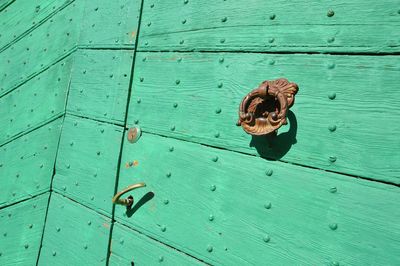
x: 53, y: 40
x: 5, y: 3
x: 99, y: 84
x: 74, y: 234
x: 130, y: 247
x: 279, y: 25
x: 21, y: 231
x: 36, y: 102
x: 110, y: 23
x: 22, y: 16
x: 27, y: 163
x: 229, y: 208
x: 87, y: 160
x: 196, y: 96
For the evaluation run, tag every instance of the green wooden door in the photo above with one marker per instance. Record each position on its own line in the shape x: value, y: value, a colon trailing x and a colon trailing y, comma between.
x: 76, y: 75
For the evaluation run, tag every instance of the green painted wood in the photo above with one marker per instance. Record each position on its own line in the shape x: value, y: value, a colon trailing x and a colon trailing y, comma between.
x: 27, y: 163
x: 110, y: 23
x: 22, y: 16
x: 276, y: 26
x: 36, y: 102
x: 100, y: 83
x: 5, y: 3
x: 130, y: 246
x: 53, y: 40
x: 21, y: 231
x: 233, y: 209
x: 87, y: 160
x: 196, y: 96
x: 74, y: 234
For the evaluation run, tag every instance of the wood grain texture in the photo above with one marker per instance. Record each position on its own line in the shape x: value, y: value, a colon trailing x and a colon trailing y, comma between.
x: 27, y: 163
x: 130, y: 247
x: 196, y: 96
x: 21, y: 231
x: 53, y: 40
x: 74, y: 234
x: 99, y: 84
x: 279, y: 25
x: 110, y: 23
x: 36, y: 102
x: 233, y: 209
x: 86, y: 164
x: 22, y: 16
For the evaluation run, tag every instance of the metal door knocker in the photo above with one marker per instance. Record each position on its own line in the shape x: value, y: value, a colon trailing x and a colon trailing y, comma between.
x: 264, y: 109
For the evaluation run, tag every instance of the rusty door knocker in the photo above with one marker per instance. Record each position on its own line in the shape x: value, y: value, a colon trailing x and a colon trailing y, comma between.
x: 264, y: 109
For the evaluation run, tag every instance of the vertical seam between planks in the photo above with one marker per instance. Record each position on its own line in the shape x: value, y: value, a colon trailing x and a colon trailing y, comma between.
x: 108, y: 255
x: 55, y: 160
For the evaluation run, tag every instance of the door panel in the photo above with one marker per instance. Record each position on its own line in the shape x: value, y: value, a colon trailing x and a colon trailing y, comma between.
x: 36, y: 102
x: 99, y: 84
x: 74, y: 234
x: 258, y: 25
x: 196, y: 96
x: 229, y: 208
x: 87, y: 162
x: 21, y: 228
x: 27, y: 163
x: 129, y: 247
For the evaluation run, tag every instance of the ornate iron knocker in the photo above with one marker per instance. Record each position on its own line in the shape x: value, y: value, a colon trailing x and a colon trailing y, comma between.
x: 264, y: 109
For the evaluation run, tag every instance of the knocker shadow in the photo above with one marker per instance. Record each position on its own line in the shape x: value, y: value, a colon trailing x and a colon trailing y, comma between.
x: 131, y: 210
x: 274, y: 146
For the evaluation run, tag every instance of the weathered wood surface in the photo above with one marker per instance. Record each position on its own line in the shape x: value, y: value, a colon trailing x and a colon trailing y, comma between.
x: 274, y: 26
x: 234, y: 209
x: 129, y: 247
x: 99, y: 84
x: 109, y: 23
x: 27, y: 163
x: 74, y: 234
x: 21, y: 231
x: 87, y: 160
x: 36, y: 102
x: 341, y: 120
x: 21, y: 16
x: 41, y: 48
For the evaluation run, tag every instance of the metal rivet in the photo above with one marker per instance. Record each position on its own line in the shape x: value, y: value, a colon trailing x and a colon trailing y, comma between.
x: 220, y: 85
x: 26, y: 246
x: 221, y: 60
x: 134, y: 134
x: 175, y: 105
x: 215, y: 158
x: 213, y: 187
x: 85, y: 246
x: 121, y: 241
x: 58, y: 229
x: 332, y: 128
x: 149, y: 24
x: 211, y: 217
x: 335, y: 263
x: 141, y: 79
x: 269, y: 172
x: 92, y: 198
x: 144, y: 59
x: 54, y: 253
x: 271, y: 62
x: 332, y: 96
x: 136, y: 121
x: 224, y: 19
x: 333, y: 190
x: 5, y: 234
x: 222, y: 40
x: 216, y: 134
x: 209, y: 248
x: 168, y: 174
x: 177, y: 81
x: 218, y: 110
x: 272, y: 17
x: 333, y: 226
x: 331, y: 66
x: 89, y: 222
x: 271, y: 40
x: 268, y: 205
x: 332, y: 159
x: 183, y: 21
x: 185, y: 1
x: 330, y: 13
x: 182, y: 41
x: 30, y: 226
x: 266, y: 238
x: 161, y: 259
x: 64, y: 188
x: 76, y: 183
x: 331, y: 39
x: 166, y: 202
x: 163, y: 228
x: 171, y: 149
x: 172, y: 128
x: 179, y: 59
x: 98, y: 153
